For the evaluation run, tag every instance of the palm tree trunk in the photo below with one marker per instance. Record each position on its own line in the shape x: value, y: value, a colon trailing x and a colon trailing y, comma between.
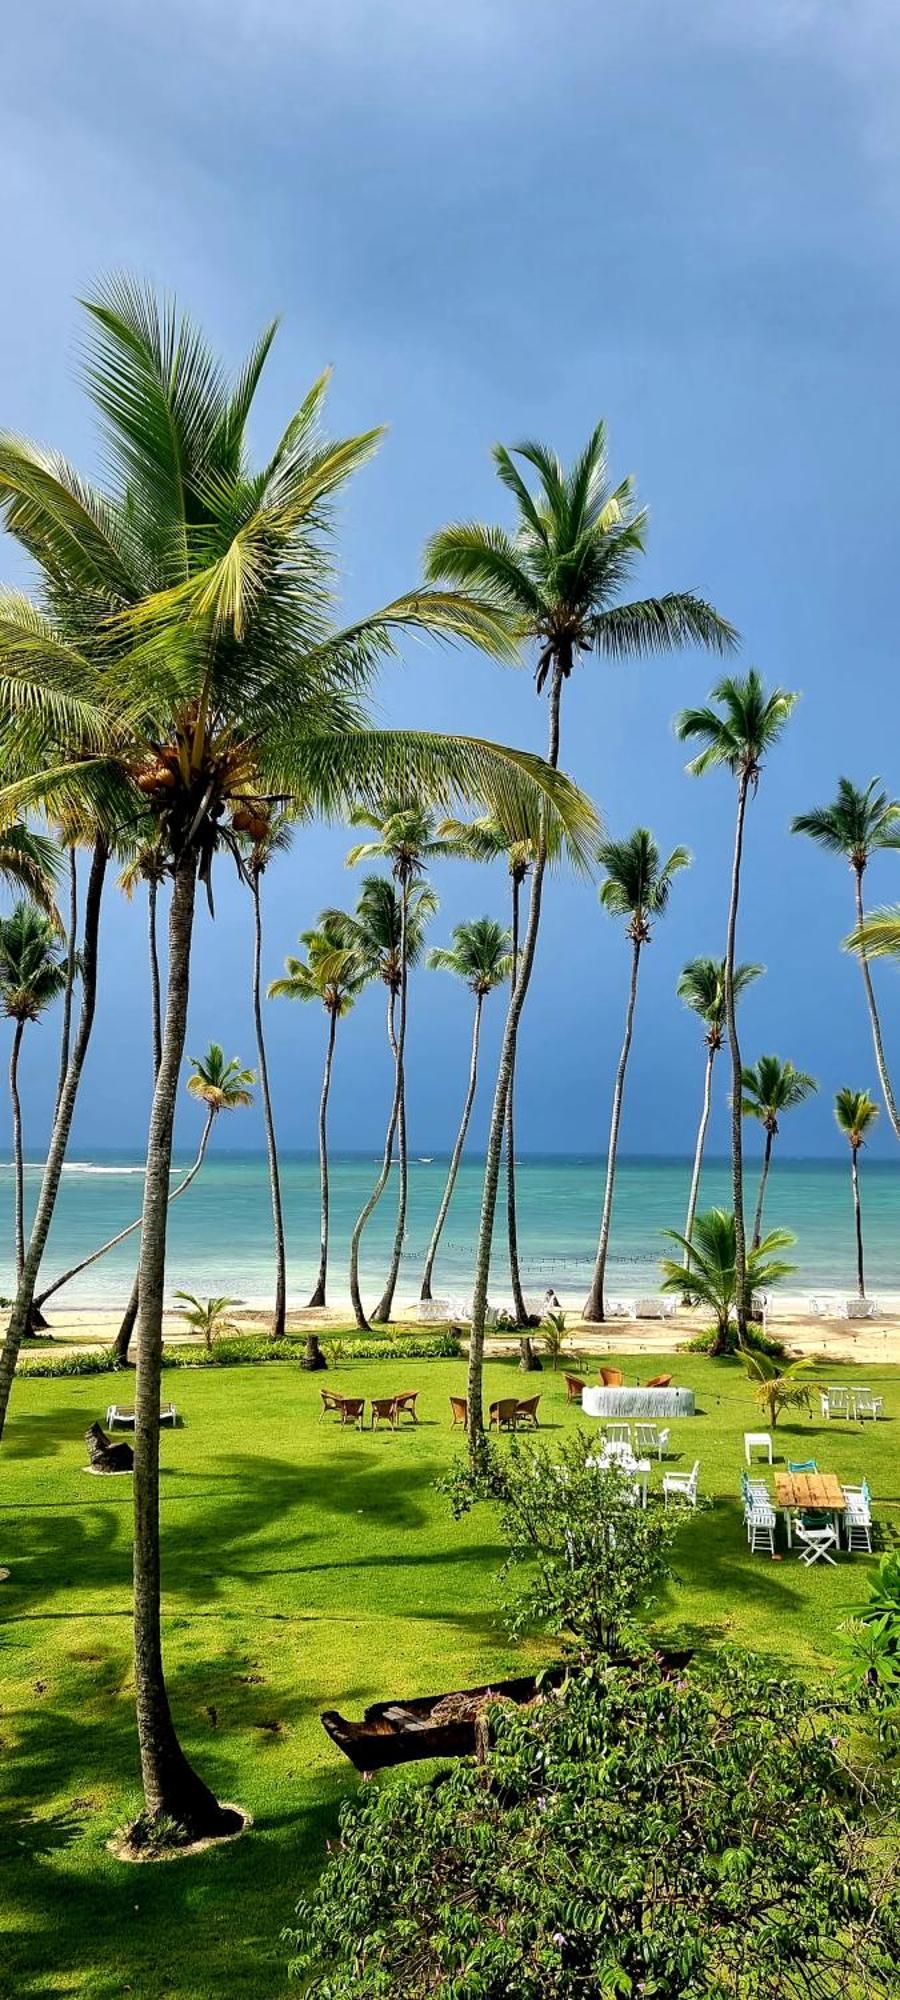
x: 737, y: 1157
x: 278, y: 1318
x: 594, y: 1310
x: 857, y: 1213
x: 699, y: 1148
x: 318, y: 1297
x: 20, y: 1316
x: 498, y: 1113
x: 68, y: 990
x: 456, y: 1154
x: 512, y: 1219
x: 385, y: 1169
x: 171, y: 1788
x: 757, y: 1219
x: 75, y: 1270
x: 122, y: 1340
x: 883, y: 1078
x: 18, y: 1158
x: 384, y: 1307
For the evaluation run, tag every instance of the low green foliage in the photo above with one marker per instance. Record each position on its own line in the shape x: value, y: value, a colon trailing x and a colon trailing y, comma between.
x: 232, y: 1350
x: 872, y: 1640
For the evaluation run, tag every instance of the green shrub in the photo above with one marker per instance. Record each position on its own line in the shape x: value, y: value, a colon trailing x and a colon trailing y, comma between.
x: 238, y: 1349
x: 91, y: 1361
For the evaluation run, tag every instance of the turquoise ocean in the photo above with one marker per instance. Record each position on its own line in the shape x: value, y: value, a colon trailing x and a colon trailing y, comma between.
x: 220, y: 1232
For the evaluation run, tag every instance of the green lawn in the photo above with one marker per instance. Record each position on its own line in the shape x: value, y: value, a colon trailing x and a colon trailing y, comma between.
x: 304, y: 1568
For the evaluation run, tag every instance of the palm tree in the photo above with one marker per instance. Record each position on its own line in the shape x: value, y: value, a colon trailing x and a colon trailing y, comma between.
x: 146, y: 864
x: 708, y: 1270
x: 265, y: 833
x: 768, y: 1088
x: 219, y: 1084
x: 480, y: 955
x: 855, y: 1112
x: 637, y: 886
x: 386, y: 937
x: 332, y: 975
x: 559, y: 578
x: 408, y: 839
x: 207, y: 1317
x: 738, y: 734
x: 858, y: 824
x: 32, y: 974
x: 231, y: 689
x: 701, y: 986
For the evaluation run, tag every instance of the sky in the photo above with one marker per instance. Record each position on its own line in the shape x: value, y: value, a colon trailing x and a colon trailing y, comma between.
x: 498, y: 219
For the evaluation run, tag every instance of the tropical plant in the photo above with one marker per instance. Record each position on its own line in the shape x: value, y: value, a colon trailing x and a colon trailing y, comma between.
x: 32, y: 975
x: 330, y: 974
x: 231, y: 688
x: 263, y: 832
x: 709, y: 1271
x: 856, y: 1113
x: 207, y: 1317
x: 701, y: 986
x: 858, y: 824
x: 480, y: 956
x: 872, y: 1640
x: 737, y: 735
x: 769, y: 1087
x: 777, y: 1386
x: 558, y: 577
x: 219, y: 1084
x: 553, y: 1328
x: 637, y: 886
x: 386, y: 935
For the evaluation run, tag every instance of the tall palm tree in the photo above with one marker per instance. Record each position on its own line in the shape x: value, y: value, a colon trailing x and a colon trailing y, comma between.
x: 701, y: 986
x: 769, y: 1087
x: 231, y: 688
x: 738, y: 734
x: 858, y: 824
x: 407, y: 838
x: 637, y: 886
x: 331, y: 974
x: 266, y: 832
x: 219, y: 1084
x: 480, y: 955
x: 856, y: 1112
x: 707, y: 1270
x: 146, y: 864
x: 386, y: 936
x: 559, y: 577
x: 32, y: 975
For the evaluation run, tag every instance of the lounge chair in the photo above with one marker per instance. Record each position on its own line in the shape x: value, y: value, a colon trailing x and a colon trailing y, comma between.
x: 858, y: 1308
x: 120, y: 1416
x: 612, y: 1378
x: 504, y: 1413
x: 655, y: 1307
x: 459, y: 1411
x: 434, y: 1312
x: 574, y: 1386
x: 527, y: 1412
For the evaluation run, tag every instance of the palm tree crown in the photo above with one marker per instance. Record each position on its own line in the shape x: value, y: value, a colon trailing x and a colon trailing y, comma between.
x: 701, y: 986
x: 32, y: 968
x: 30, y: 862
x: 855, y: 1112
x: 708, y: 1266
x: 373, y: 932
x: 856, y: 823
x: 330, y: 973
x: 480, y: 955
x: 770, y: 1087
x: 637, y: 883
x: 220, y: 1085
x: 741, y: 731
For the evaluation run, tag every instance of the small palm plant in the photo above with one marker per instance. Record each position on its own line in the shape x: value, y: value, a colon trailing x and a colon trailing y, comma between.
x: 32, y: 975
x: 708, y: 1270
x: 702, y: 988
x: 480, y: 956
x: 777, y: 1387
x: 207, y: 1317
x: 856, y: 1113
x: 770, y: 1087
x: 637, y: 886
x: 737, y: 736
x: 553, y: 1328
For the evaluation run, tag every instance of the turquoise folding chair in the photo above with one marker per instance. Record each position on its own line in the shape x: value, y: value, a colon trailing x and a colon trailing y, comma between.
x: 803, y: 1465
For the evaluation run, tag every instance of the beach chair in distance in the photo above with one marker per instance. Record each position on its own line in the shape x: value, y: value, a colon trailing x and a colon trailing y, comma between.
x: 858, y: 1308
x: 459, y: 1411
x: 353, y: 1411
x: 405, y: 1404
x: 612, y: 1378
x: 330, y: 1401
x: 654, y: 1307
x: 574, y: 1387
x: 527, y: 1412
x: 504, y: 1414
x: 120, y: 1416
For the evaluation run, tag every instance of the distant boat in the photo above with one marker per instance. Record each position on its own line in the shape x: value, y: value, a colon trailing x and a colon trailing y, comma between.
x: 426, y: 1159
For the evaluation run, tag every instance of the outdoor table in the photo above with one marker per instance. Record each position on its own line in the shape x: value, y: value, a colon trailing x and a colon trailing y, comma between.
x: 808, y: 1492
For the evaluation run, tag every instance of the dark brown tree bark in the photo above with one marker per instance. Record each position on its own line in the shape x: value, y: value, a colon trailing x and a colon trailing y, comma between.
x: 318, y: 1297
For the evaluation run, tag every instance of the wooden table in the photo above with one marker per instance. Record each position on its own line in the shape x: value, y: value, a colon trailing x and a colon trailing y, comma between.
x: 808, y: 1492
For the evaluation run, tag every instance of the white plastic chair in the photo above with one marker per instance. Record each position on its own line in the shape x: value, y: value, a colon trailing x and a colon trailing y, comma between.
x: 649, y: 1437
x: 682, y: 1485
x: 655, y: 1307
x: 866, y: 1404
x: 616, y: 1433
x: 835, y: 1400
x: 759, y: 1519
x: 817, y: 1542
x: 858, y: 1517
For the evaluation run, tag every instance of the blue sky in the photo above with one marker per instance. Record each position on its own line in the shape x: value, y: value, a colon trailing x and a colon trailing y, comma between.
x: 494, y: 219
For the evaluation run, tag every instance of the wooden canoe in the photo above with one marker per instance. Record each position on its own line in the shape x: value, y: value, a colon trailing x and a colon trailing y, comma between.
x: 399, y: 1732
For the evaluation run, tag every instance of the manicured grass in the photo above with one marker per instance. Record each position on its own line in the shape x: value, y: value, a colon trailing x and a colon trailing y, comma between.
x: 304, y: 1568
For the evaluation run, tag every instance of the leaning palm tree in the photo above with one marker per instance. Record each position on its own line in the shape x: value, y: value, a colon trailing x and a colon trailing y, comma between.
x: 559, y: 577
x: 408, y: 839
x: 856, y: 1113
x: 386, y: 936
x: 637, y: 886
x: 231, y: 688
x: 32, y: 974
x: 737, y: 734
x: 701, y: 986
x: 480, y: 956
x: 265, y: 832
x: 331, y: 973
x: 221, y: 1085
x: 147, y: 863
x: 769, y: 1087
x: 858, y: 824
x: 708, y: 1270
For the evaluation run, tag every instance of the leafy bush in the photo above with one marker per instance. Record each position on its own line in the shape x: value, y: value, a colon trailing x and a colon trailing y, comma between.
x: 91, y: 1361
x: 635, y: 1832
x: 232, y: 1351
x: 872, y: 1641
x: 708, y: 1342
